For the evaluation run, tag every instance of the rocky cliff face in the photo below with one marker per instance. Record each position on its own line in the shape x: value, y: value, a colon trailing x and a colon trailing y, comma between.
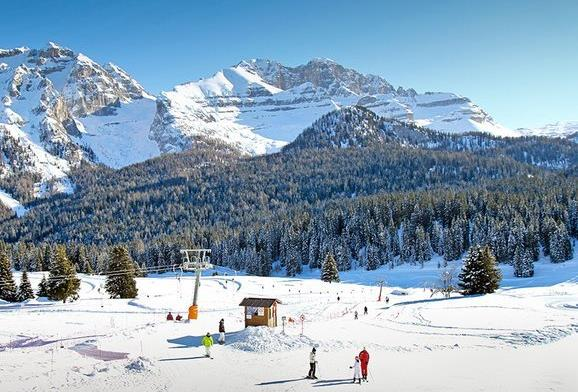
x: 45, y: 96
x: 259, y: 105
x: 561, y: 129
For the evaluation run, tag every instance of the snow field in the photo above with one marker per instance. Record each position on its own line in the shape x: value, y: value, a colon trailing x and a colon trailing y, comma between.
x: 518, y: 339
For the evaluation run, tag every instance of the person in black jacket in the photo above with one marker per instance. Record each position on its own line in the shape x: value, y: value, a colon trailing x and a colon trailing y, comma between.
x: 222, y: 331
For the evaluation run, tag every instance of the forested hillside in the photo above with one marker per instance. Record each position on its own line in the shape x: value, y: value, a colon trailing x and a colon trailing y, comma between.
x: 368, y: 190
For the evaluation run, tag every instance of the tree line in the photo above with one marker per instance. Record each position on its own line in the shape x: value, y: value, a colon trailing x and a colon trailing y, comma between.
x: 62, y: 283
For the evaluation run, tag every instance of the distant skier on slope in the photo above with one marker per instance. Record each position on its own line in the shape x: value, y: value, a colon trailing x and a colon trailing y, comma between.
x: 365, y: 310
x: 207, y: 341
x: 170, y: 317
x: 356, y: 370
x: 356, y: 315
x: 222, y: 331
x: 312, y: 364
x: 364, y: 359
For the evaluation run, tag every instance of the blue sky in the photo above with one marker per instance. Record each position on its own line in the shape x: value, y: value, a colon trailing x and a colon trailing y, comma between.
x: 517, y: 59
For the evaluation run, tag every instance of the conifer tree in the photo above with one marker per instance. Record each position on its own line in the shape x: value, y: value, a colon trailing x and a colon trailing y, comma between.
x: 47, y: 258
x: 8, y: 291
x: 329, y: 272
x: 523, y: 263
x: 62, y: 282
x: 560, y: 245
x: 120, y: 282
x: 39, y: 260
x: 373, y: 262
x: 42, y: 287
x: 25, y: 291
x: 479, y: 275
x: 423, y: 248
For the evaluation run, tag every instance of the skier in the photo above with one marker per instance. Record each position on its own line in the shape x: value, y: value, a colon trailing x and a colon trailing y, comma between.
x: 356, y: 370
x: 355, y: 315
x: 179, y: 317
x: 312, y: 364
x: 222, y: 331
x: 364, y: 359
x: 170, y: 317
x: 208, y: 343
x: 338, y: 299
x: 386, y: 300
x: 365, y: 310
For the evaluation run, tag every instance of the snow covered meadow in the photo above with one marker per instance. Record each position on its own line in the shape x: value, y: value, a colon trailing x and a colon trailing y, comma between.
x: 522, y: 338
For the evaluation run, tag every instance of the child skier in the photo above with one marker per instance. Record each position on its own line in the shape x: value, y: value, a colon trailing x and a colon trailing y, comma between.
x: 364, y: 359
x: 356, y: 370
x: 222, y: 331
x: 208, y: 343
x: 312, y: 364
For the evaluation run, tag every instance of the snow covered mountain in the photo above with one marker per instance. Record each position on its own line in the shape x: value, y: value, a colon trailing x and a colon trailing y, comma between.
x: 567, y: 129
x: 58, y: 108
x: 260, y: 105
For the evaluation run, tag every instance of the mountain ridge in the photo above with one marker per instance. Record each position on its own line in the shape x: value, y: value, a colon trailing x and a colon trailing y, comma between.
x: 59, y: 109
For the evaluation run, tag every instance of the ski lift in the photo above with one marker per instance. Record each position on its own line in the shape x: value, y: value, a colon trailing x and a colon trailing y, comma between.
x: 196, y: 260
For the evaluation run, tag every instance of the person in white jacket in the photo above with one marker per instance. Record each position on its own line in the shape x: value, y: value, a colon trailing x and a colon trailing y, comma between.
x: 312, y: 364
x: 356, y: 370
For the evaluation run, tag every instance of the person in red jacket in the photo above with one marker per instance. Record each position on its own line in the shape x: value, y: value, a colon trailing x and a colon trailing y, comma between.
x: 364, y: 358
x: 170, y: 317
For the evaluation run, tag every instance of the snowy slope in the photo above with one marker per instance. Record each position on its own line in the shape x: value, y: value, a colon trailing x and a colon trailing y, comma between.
x: 518, y: 339
x: 567, y: 129
x: 12, y: 203
x: 120, y: 137
x: 59, y: 108
x: 260, y: 105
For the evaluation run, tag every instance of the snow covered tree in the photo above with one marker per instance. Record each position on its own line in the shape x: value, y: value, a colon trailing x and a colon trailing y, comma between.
x: 120, y: 282
x: 523, y: 263
x: 373, y: 262
x: 342, y: 256
x: 62, y: 282
x: 560, y: 245
x: 42, y: 287
x: 47, y: 258
x: 437, y: 238
x: 480, y: 274
x: 8, y: 290
x: 25, y: 291
x: 82, y: 261
x: 573, y: 218
x: 423, y: 249
x: 329, y: 272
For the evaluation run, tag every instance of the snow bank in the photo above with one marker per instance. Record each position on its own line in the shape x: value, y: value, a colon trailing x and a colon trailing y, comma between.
x: 139, y: 365
x: 267, y: 340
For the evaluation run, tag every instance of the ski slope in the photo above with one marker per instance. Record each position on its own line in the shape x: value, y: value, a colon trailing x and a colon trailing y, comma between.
x: 521, y: 338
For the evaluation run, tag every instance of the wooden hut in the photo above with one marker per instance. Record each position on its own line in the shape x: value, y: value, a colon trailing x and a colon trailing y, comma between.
x: 260, y: 311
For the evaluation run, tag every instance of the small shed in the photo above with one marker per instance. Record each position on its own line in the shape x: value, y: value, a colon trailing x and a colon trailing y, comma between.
x: 260, y: 311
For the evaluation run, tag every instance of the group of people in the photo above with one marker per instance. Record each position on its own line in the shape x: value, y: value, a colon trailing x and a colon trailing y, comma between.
x: 171, y: 318
x: 207, y: 340
x: 359, y: 367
